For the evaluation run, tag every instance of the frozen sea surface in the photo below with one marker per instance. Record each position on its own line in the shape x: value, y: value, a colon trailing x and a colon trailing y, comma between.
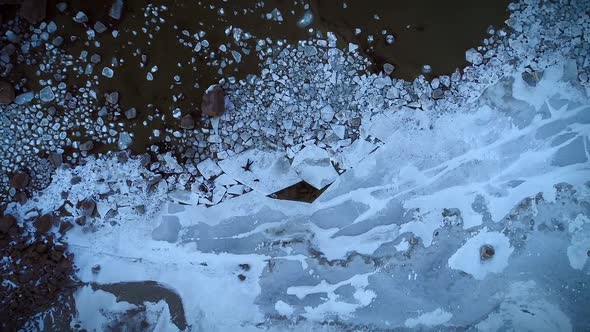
x: 393, y: 243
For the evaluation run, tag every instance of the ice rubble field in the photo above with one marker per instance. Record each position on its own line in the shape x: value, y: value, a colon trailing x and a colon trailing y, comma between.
x: 394, y: 242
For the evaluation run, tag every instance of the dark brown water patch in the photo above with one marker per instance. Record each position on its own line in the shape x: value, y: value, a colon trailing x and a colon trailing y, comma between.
x: 139, y: 292
x: 427, y: 32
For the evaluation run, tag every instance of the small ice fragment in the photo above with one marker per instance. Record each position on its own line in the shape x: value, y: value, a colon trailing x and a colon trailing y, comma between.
x: 389, y: 39
x: 116, y: 9
x: 47, y: 94
x: 100, y: 27
x: 125, y: 141
x: 62, y: 6
x: 81, y: 18
x: 51, y: 27
x: 108, y: 72
x: 388, y: 68
x: 237, y: 56
x: 209, y: 168
x: 473, y: 56
x: 306, y: 20
x: 24, y: 98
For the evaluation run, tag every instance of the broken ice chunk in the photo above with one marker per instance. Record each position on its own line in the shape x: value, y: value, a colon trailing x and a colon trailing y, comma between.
x: 473, y: 56
x: 108, y: 72
x: 265, y: 172
x: 388, y: 68
x: 306, y: 20
x: 327, y: 113
x: 81, y: 18
x: 339, y: 130
x: 24, y: 98
x: 209, y: 168
x: 116, y: 9
x: 47, y: 94
x: 125, y: 141
x: 314, y: 167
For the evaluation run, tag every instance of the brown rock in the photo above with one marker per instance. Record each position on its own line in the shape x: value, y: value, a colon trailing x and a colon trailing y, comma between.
x: 213, y: 102
x: 19, y: 180
x: 486, y: 252
x: 65, y: 226
x: 87, y: 206
x: 187, y: 122
x: 6, y: 223
x: 43, y: 223
x: 6, y: 93
x: 21, y: 198
x: 33, y: 10
x: 41, y: 248
x: 56, y: 159
x: 81, y: 221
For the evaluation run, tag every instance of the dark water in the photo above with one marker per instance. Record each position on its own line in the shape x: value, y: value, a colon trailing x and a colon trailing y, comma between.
x: 148, y: 291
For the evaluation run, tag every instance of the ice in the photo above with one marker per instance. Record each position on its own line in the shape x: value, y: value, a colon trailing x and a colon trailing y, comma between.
x: 313, y: 165
x: 429, y: 319
x: 268, y: 171
x: 306, y: 20
x: 525, y: 308
x: 108, y: 72
x: 577, y: 252
x: 402, y: 228
x: 209, y: 168
x: 24, y: 98
x: 167, y: 230
x: 116, y: 9
x: 283, y: 308
x: 473, y: 56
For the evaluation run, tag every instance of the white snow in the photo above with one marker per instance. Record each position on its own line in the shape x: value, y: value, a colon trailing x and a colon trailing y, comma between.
x: 209, y: 168
x: 467, y: 258
x: 577, y: 252
x: 284, y: 308
x: 429, y: 319
x: 363, y: 297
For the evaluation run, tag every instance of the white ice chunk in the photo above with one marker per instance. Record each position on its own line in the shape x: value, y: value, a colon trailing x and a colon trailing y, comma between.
x: 268, y: 172
x: 314, y: 166
x: 209, y: 168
